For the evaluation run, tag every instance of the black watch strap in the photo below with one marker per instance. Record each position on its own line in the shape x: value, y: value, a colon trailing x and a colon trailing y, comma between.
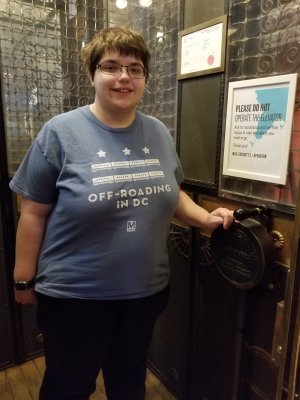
x: 24, y: 285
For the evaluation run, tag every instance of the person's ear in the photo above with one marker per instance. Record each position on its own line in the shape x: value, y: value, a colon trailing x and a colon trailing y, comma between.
x: 91, y: 80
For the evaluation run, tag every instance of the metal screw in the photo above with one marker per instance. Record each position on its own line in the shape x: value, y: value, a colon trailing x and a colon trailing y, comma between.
x: 279, y: 349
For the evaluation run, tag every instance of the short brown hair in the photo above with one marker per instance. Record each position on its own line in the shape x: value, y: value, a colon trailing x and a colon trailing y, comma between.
x: 121, y: 39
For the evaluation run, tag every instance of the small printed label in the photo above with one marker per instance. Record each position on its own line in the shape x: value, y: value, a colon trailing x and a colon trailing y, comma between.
x: 131, y: 226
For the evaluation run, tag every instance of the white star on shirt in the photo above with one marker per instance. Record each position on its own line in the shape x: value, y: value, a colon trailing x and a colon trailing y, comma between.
x: 101, y: 153
x: 146, y: 150
x: 126, y: 151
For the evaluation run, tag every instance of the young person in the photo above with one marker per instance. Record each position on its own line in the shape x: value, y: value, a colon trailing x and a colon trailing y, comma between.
x: 99, y: 187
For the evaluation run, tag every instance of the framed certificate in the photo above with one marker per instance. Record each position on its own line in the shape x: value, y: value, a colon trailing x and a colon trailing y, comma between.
x: 258, y: 128
x: 201, y: 49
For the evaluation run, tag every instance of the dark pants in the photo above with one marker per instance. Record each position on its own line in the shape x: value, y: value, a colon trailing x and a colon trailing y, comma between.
x: 81, y: 337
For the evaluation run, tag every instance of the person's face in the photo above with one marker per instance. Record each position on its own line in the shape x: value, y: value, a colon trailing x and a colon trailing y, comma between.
x: 121, y: 92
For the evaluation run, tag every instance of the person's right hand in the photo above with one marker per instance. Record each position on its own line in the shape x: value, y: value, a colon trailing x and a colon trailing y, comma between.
x: 25, y: 296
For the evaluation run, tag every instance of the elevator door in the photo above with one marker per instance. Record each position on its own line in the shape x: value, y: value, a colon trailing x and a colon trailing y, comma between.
x: 6, y: 323
x: 7, y: 332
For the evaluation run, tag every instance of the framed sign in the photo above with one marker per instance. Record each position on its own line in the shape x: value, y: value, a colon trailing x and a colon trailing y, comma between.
x: 258, y: 128
x: 201, y: 49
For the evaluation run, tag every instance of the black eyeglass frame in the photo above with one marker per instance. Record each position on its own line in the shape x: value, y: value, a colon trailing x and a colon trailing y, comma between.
x: 99, y: 67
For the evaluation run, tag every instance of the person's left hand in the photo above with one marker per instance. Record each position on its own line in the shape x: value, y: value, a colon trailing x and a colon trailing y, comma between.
x: 220, y: 216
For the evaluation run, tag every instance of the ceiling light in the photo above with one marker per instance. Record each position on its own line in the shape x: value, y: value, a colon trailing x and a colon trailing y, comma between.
x: 145, y: 3
x: 121, y: 3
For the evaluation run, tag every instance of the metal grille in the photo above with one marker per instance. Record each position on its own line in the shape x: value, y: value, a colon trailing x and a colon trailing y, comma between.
x: 42, y: 72
x: 264, y: 40
x: 159, y: 25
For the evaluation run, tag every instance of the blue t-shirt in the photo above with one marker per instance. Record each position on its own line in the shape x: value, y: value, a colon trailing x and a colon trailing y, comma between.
x: 114, y: 193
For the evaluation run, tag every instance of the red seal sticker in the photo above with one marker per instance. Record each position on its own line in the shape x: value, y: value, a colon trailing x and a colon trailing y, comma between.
x: 210, y: 60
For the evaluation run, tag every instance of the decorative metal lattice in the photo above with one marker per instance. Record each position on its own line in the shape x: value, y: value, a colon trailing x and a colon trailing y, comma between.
x: 41, y: 69
x: 264, y: 40
x: 180, y: 239
x: 204, y: 251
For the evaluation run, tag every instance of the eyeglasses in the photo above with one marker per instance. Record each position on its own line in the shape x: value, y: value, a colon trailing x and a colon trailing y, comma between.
x: 110, y: 68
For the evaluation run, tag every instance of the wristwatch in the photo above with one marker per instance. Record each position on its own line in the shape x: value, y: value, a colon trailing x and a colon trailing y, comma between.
x: 24, y: 285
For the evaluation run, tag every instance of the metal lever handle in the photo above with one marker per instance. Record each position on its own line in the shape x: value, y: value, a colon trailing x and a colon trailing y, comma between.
x: 243, y: 213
